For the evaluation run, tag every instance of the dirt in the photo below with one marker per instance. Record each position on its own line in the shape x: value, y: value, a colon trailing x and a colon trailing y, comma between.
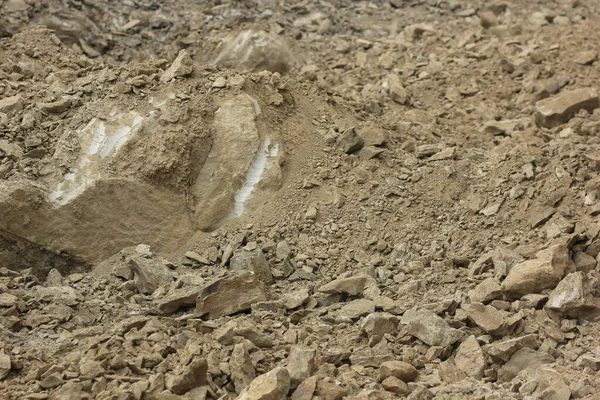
x: 298, y: 199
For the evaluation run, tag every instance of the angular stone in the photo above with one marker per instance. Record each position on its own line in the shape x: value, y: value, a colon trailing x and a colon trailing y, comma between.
x: 551, y: 385
x: 430, y: 328
x: 470, y: 358
x: 11, y: 104
x: 559, y: 109
x: 295, y: 299
x: 349, y: 142
x: 254, y: 51
x: 52, y: 381
x: 449, y: 372
x: 535, y: 275
x: 55, y: 106
x: 353, y: 286
x: 586, y: 57
x: 521, y: 360
x: 7, y: 300
x: 487, y: 318
x: 301, y: 364
x: 253, y: 261
x: 399, y: 369
x: 182, y: 66
x: 69, y: 391
x: 90, y: 369
x: 588, y: 361
x: 188, y: 377
x: 397, y: 92
x: 356, y: 309
x: 573, y: 296
x: 329, y: 391
x: 149, y: 274
x: 5, y: 364
x: 379, y: 323
x: 274, y: 385
x: 306, y: 389
x: 486, y: 291
x: 538, y: 215
x: 503, y: 350
x: 395, y: 385
x: 176, y: 299
x: 242, y: 370
x: 230, y: 295
x: 584, y: 262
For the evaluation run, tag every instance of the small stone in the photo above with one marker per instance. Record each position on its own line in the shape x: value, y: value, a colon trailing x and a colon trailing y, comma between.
x: 8, y: 300
x: 535, y: 275
x: 219, y: 83
x: 395, y: 385
x: 5, y: 364
x: 486, y: 291
x: 11, y: 104
x: 306, y: 389
x: 488, y: 19
x: 584, y: 262
x: 54, y: 278
x: 188, y: 377
x: 430, y: 328
x: 194, y: 256
x: 428, y: 150
x: 487, y: 318
x: 182, y: 66
x: 329, y: 391
x: 301, y: 364
x: 538, y: 215
x: 398, y: 369
x: 242, y: 370
x: 149, y: 274
x: 449, y: 372
x: 586, y: 57
x: 230, y: 295
x: 503, y: 350
x: 349, y: 142
x: 588, y: 361
x: 559, y: 109
x: 295, y: 299
x: 378, y: 324
x: 551, y: 385
x: 470, y: 358
x: 523, y: 359
x: 274, y: 385
x: 55, y: 106
x: 90, y: 369
x: 52, y: 381
x: 353, y: 286
x: 357, y: 308
x: 253, y: 261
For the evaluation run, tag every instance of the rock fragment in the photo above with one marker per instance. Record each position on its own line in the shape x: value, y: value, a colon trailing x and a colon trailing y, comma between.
x: 274, y: 385
x: 230, y: 295
x: 242, y: 370
x: 430, y: 328
x: 149, y: 274
x: 188, y: 377
x: 353, y: 286
x: 5, y: 364
x: 487, y: 318
x: 301, y: 364
x: 559, y: 109
x: 573, y: 297
x: 182, y: 66
x: 399, y: 369
x: 486, y: 291
x: 11, y: 104
x: 253, y: 261
x: 350, y: 142
x: 470, y: 358
x: 504, y: 349
x: 521, y: 360
x: 357, y: 308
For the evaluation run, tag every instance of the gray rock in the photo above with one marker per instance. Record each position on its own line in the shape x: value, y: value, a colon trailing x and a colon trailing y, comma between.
x: 356, y: 309
x: 573, y: 296
x: 350, y: 142
x: 274, y: 385
x: 525, y: 358
x: 430, y: 328
x: 559, y: 109
x: 470, y: 358
x: 501, y: 351
x: 242, y: 370
x: 353, y: 286
x: 230, y: 295
x: 182, y: 66
x: 188, y: 377
x: 149, y: 274
x: 254, y: 261
x: 301, y: 364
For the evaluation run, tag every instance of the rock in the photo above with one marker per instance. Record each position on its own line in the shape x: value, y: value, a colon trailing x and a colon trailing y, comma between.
x: 535, y: 275
x: 295, y: 299
x: 306, y: 389
x: 521, y: 360
x: 5, y: 364
x: 188, y: 377
x: 69, y: 391
x: 52, y: 381
x: 149, y: 274
x: 588, y: 361
x: 488, y: 19
x: 7, y: 300
x: 242, y: 370
x: 584, y: 262
x: 300, y: 365
x: 551, y: 385
x: 54, y: 278
x: 176, y: 299
x: 55, y: 106
x: 230, y: 295
x: 379, y: 323
x: 420, y: 392
x: 449, y: 372
x: 329, y: 391
x: 10, y: 150
x: 9, y: 105
x: 194, y: 256
x: 486, y: 291
x: 356, y: 309
x: 254, y: 261
x: 502, y: 350
x: 538, y: 215
x: 470, y: 358
x: 182, y: 66
x: 395, y: 385
x: 372, y: 136
x: 274, y: 385
x: 573, y: 296
x: 428, y: 150
x: 559, y: 109
x: 397, y: 92
x: 353, y: 286
x: 586, y: 57
x: 349, y: 142
x: 487, y: 318
x: 90, y: 369
x: 430, y: 328
x: 254, y: 51
x: 398, y: 369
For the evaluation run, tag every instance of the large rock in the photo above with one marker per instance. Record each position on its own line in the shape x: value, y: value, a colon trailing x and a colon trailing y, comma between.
x: 253, y: 261
x: 559, y: 109
x: 573, y: 296
x: 182, y: 66
x: 523, y: 359
x: 149, y: 274
x: 501, y: 351
x: 487, y: 318
x: 242, y: 370
x: 356, y: 309
x: 352, y: 286
x: 430, y: 328
x: 470, y: 358
x: 188, y: 377
x: 399, y: 369
x: 533, y: 276
x: 349, y: 141
x: 486, y: 291
x: 254, y: 51
x: 301, y: 364
x: 176, y: 299
x: 274, y: 385
x: 230, y: 295
x: 379, y: 323
x: 551, y: 385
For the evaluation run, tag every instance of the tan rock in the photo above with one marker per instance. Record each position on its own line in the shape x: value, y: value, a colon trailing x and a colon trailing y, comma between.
x: 350, y: 142
x: 525, y: 358
x: 182, y: 66
x: 470, y: 358
x: 254, y: 261
x: 573, y: 296
x: 11, y: 104
x: 502, y: 350
x: 149, y: 274
x: 559, y: 109
x: 301, y: 364
x: 395, y: 385
x: 487, y: 318
x: 5, y: 364
x: 188, y: 377
x: 353, y: 286
x: 486, y: 291
x: 242, y: 370
x: 274, y: 385
x: 306, y: 389
x: 399, y: 369
x: 430, y: 328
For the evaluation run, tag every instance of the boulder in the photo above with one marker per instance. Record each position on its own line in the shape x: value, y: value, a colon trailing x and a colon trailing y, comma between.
x: 11, y: 104
x: 230, y: 295
x: 379, y: 323
x: 356, y: 309
x: 573, y: 296
x: 399, y: 369
x: 350, y: 142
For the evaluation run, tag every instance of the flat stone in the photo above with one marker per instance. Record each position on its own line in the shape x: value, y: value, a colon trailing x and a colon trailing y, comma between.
x: 11, y: 104
x: 90, y: 369
x: 274, y: 385
x: 350, y: 142
x: 378, y: 324
x: 7, y: 300
x: 486, y: 291
x: 573, y: 296
x: 178, y: 298
x: 306, y: 389
x: 535, y: 275
x: 430, y: 328
x: 559, y: 109
x: 353, y: 286
x: 487, y: 318
x: 300, y: 365
x: 525, y: 358
x: 399, y: 369
x: 450, y: 373
x: 502, y: 350
x: 470, y: 358
x: 295, y: 299
x: 230, y: 295
x: 55, y: 106
x: 586, y: 57
x: 182, y: 66
x: 5, y: 364
x: 357, y: 308
x: 329, y: 391
x: 551, y: 385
